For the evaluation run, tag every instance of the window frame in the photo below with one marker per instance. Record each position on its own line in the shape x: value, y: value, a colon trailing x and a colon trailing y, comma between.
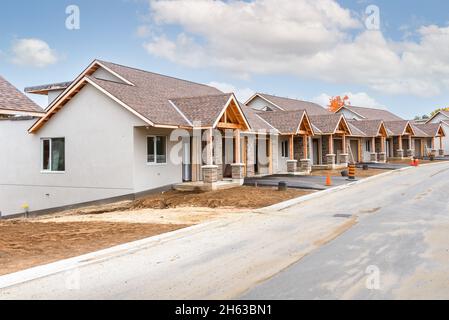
x: 285, y: 149
x: 155, y: 163
x: 51, y: 171
x: 368, y: 146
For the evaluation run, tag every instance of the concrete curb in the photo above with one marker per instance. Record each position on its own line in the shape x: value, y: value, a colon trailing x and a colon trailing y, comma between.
x: 66, y: 265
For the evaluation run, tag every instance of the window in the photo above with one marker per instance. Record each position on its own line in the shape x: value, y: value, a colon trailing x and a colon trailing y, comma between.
x: 285, y: 149
x: 368, y: 146
x: 156, y: 150
x: 53, y: 155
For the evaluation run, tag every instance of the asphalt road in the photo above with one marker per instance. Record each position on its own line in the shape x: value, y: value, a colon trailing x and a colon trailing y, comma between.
x: 398, y: 250
x: 321, y: 248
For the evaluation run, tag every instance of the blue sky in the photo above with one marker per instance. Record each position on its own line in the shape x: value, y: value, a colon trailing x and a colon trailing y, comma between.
x: 169, y: 42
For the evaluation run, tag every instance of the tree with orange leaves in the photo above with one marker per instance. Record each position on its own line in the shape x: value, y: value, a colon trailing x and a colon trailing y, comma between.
x: 335, y: 103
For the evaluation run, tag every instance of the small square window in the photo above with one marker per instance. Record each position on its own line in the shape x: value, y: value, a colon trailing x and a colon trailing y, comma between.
x: 53, y: 155
x: 156, y: 150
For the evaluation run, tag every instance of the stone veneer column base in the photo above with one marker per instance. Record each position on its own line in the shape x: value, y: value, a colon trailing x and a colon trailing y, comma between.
x: 373, y: 157
x: 210, y: 176
x: 292, y: 166
x: 330, y: 161
x: 382, y: 157
x: 410, y: 153
x: 441, y: 152
x: 344, y: 158
x: 306, y: 165
x: 238, y: 172
x: 400, y: 154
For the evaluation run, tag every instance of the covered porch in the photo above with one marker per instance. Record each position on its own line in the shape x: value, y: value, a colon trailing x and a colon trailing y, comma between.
x: 218, y: 154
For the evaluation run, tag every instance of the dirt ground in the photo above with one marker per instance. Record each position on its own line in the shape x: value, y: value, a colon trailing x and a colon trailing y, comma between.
x: 358, y: 172
x: 45, y: 239
x: 26, y: 244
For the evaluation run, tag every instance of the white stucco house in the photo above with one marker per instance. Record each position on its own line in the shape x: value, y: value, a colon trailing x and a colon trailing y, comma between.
x: 442, y: 117
x: 116, y: 132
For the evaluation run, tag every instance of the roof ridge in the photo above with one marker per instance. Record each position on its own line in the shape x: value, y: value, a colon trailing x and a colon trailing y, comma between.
x: 205, y: 96
x: 155, y: 73
x: 293, y: 99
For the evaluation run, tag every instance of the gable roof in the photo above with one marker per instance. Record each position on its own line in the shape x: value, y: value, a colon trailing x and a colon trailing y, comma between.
x: 398, y: 128
x: 255, y: 121
x: 206, y: 110
x: 372, y: 113
x: 287, y: 104
x: 444, y: 113
x: 429, y: 130
x: 14, y: 102
x: 146, y: 94
x: 371, y: 128
x: 328, y: 123
x: 286, y: 122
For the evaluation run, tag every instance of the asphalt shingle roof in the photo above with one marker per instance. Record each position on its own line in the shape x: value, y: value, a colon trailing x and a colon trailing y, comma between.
x: 286, y: 122
x: 427, y: 130
x: 374, y: 114
x: 204, y: 110
x: 151, y: 93
x: 326, y: 123
x: 369, y: 127
x: 288, y: 104
x: 396, y: 128
x: 11, y: 99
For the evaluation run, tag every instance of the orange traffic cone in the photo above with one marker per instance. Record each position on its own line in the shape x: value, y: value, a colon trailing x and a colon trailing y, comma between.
x: 417, y: 162
x: 413, y: 163
x: 328, y: 180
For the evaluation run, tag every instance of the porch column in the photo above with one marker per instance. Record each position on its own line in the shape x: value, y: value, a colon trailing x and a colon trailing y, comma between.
x: 330, y: 157
x: 210, y: 171
x: 401, y: 148
x: 292, y: 147
x: 383, y: 153
x: 209, y: 147
x: 410, y: 147
x: 344, y: 157
x: 373, y: 150
x: 292, y: 164
x: 270, y: 155
x: 306, y: 163
x: 237, y: 146
x: 441, y: 151
x: 238, y: 168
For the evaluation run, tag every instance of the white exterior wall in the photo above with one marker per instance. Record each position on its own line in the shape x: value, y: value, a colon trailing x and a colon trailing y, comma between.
x: 439, y: 118
x: 99, y: 154
x: 349, y: 114
x: 282, y: 162
x: 148, y: 177
x: 52, y: 95
x: 259, y: 104
x: 366, y: 155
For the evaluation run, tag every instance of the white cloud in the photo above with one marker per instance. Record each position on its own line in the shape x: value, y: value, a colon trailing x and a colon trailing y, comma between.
x: 361, y: 99
x: 143, y: 31
x: 313, y: 39
x: 242, y: 94
x: 33, y: 52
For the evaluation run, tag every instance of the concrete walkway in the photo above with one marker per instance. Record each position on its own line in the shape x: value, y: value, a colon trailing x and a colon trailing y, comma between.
x: 300, y: 182
x: 226, y: 258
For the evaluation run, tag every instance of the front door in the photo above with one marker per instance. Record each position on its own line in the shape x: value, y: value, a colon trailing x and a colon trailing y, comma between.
x: 418, y: 153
